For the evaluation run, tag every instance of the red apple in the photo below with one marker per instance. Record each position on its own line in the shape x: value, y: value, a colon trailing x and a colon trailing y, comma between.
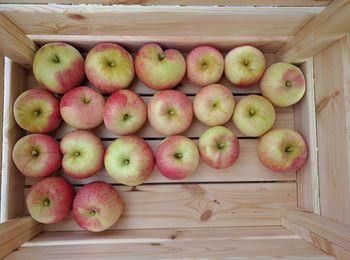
x: 109, y: 67
x: 244, y: 66
x: 159, y: 69
x: 219, y: 147
x: 177, y: 157
x: 205, y: 65
x: 37, y: 155
x: 213, y: 105
x: 50, y: 200
x: 125, y: 112
x: 129, y: 160
x: 58, y: 66
x: 37, y: 111
x: 283, y: 84
x: 82, y: 108
x: 97, y: 206
x: 83, y: 154
x: 170, y: 112
x: 282, y: 150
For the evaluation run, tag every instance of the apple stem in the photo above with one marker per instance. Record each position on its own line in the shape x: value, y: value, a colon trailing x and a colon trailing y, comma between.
x: 36, y: 113
x: 251, y: 112
x: 221, y: 145
x: 126, y: 116
x: 289, y: 149
x: 126, y: 161
x: 288, y: 83
x: 92, y: 213
x: 77, y: 154
x: 245, y: 63
x: 35, y: 153
x: 55, y: 58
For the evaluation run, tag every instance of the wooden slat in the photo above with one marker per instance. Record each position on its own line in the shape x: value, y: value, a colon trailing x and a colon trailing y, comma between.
x: 14, y: 233
x: 328, y: 235
x: 207, y: 205
x: 284, y: 118
x: 247, y: 168
x: 14, y: 44
x: 332, y: 24
x: 185, y: 44
x: 159, y: 20
x: 242, y: 243
x: 183, y: 2
x: 2, y: 74
x: 332, y: 84
x: 305, y: 124
x: 12, y: 193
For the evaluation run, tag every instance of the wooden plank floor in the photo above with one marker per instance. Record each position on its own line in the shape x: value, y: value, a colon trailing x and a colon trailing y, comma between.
x: 233, y: 243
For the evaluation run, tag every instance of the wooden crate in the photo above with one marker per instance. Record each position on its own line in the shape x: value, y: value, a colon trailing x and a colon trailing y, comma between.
x: 245, y: 211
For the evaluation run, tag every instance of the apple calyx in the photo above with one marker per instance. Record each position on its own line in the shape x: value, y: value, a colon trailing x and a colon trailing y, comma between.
x: 220, y: 146
x: 289, y: 149
x: 126, y: 161
x: 86, y: 100
x: 178, y: 156
x: 55, y: 58
x: 111, y: 63
x: 125, y: 117
x: 35, y: 153
x: 171, y: 112
x: 36, y: 112
x: 76, y: 154
x: 245, y: 63
x: 92, y: 213
x: 288, y: 83
x: 204, y: 65
x: 251, y: 112
x: 46, y: 202
x: 161, y: 56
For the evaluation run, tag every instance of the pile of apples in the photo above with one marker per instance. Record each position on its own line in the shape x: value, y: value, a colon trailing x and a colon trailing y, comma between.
x: 60, y: 68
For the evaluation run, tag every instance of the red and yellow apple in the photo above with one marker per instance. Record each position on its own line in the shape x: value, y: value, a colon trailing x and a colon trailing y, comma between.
x: 282, y: 150
x: 205, y: 65
x: 97, y: 206
x: 109, y: 67
x: 244, y: 66
x: 170, y: 112
x: 83, y: 154
x: 283, y: 84
x: 82, y: 108
x: 213, y: 105
x: 58, y: 66
x: 254, y: 115
x: 159, y: 69
x: 177, y: 157
x: 219, y: 147
x: 129, y: 160
x: 37, y: 111
x: 50, y: 200
x: 37, y: 155
x: 125, y: 112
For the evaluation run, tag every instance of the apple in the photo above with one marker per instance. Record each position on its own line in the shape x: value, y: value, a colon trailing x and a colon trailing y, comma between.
x: 159, y: 69
x: 82, y: 108
x: 125, y: 112
x: 37, y: 155
x: 83, y: 154
x: 129, y: 160
x: 37, y: 111
x: 109, y: 67
x: 283, y: 84
x: 50, y: 200
x: 170, y: 112
x: 244, y: 66
x: 58, y: 66
x: 205, y: 65
x: 177, y: 157
x: 219, y: 147
x: 254, y: 115
x: 213, y: 105
x: 282, y: 150
x: 97, y: 206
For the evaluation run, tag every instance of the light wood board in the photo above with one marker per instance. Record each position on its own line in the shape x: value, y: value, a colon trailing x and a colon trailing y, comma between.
x: 234, y: 243
x: 332, y: 84
x: 305, y: 124
x: 199, y: 205
x: 180, y: 21
x: 183, y: 2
